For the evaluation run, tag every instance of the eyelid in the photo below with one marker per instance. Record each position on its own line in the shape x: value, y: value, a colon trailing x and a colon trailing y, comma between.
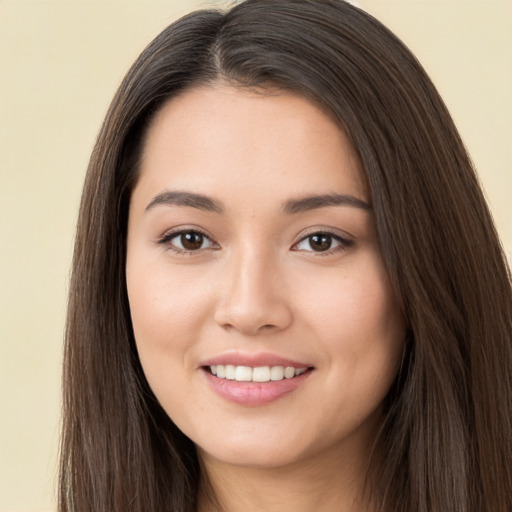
x: 170, y: 234
x: 313, y: 230
x: 345, y: 240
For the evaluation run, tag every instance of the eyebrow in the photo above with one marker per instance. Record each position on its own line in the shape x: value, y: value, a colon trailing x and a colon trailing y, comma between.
x: 321, y: 201
x: 176, y: 198
x: 205, y: 203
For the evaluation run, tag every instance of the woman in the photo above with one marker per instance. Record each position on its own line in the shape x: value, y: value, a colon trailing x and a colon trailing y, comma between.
x: 288, y: 291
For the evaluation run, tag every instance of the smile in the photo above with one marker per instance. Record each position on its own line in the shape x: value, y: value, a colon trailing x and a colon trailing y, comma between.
x: 255, y: 374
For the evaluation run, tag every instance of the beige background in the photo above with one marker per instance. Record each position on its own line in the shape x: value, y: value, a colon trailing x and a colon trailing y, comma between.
x: 60, y: 63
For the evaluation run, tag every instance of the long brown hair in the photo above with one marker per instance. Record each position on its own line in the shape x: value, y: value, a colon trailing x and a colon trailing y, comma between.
x: 447, y: 434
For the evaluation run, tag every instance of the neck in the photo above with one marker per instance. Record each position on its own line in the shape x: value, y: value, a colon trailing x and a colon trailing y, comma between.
x: 323, y: 485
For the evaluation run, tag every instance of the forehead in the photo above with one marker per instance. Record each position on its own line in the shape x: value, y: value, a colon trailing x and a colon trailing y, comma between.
x: 263, y: 142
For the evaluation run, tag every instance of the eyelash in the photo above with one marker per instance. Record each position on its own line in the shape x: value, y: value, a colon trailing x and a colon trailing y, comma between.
x: 166, y: 240
x: 343, y: 243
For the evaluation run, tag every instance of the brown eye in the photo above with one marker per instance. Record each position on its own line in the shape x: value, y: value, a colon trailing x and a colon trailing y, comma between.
x: 187, y: 241
x: 320, y: 242
x: 191, y: 241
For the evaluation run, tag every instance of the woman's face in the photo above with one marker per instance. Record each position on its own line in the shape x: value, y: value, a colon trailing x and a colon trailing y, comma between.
x: 253, y: 255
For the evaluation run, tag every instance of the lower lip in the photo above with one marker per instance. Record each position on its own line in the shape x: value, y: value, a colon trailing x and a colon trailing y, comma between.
x: 254, y: 393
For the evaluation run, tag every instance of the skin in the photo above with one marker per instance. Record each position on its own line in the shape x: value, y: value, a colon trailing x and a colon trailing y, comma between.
x: 255, y: 285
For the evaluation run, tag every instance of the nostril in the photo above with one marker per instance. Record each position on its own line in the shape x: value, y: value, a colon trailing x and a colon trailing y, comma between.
x: 253, y: 314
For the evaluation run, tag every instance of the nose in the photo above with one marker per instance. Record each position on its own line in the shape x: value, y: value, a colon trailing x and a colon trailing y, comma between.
x: 253, y: 299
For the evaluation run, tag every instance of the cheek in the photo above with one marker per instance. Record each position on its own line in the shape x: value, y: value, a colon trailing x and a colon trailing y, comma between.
x: 167, y: 311
x: 355, y: 317
x: 351, y: 301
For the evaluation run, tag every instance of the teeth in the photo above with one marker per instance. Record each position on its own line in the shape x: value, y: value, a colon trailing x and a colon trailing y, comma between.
x: 289, y: 372
x: 230, y: 372
x: 276, y: 373
x: 261, y: 374
x: 257, y: 374
x: 243, y: 374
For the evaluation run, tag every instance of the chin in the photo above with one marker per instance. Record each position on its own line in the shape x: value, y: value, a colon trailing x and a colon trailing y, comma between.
x: 261, y: 456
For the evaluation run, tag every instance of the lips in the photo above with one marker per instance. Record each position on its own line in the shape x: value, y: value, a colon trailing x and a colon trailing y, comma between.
x: 254, y: 380
x: 254, y: 360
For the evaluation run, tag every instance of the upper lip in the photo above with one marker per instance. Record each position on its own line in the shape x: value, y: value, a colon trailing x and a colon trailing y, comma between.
x: 253, y: 360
